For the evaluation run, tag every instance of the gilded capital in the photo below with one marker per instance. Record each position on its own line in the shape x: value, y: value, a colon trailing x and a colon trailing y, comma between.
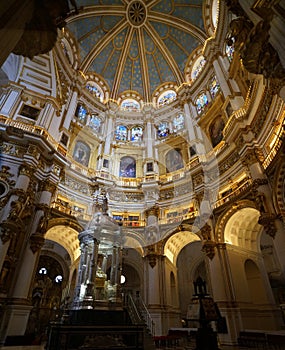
x: 48, y: 186
x: 27, y: 170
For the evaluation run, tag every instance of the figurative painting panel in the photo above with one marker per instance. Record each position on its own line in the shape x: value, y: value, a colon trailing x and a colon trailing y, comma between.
x: 136, y: 133
x: 30, y: 112
x: 127, y: 167
x: 216, y: 131
x: 121, y: 133
x: 174, y: 160
x: 149, y: 166
x: 81, y: 153
x: 192, y: 150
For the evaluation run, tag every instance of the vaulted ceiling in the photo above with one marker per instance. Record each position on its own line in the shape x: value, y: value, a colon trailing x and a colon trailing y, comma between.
x: 137, y: 45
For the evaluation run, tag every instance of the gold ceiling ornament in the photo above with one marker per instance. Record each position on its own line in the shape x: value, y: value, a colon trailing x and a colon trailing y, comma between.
x: 137, y: 13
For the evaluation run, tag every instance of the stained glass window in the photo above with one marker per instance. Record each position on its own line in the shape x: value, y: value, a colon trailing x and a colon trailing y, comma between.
x: 201, y: 102
x: 128, y: 167
x: 178, y: 122
x: 95, y: 90
x: 130, y: 105
x: 95, y: 123
x: 230, y: 49
x: 136, y: 133
x: 163, y: 129
x: 197, y: 67
x: 121, y: 133
x: 214, y: 86
x: 166, y: 97
x: 81, y: 114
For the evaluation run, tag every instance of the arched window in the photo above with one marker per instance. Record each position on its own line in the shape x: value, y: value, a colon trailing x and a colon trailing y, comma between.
x: 81, y: 153
x: 66, y: 50
x: 136, y: 133
x: 178, y: 122
x: 95, y: 123
x: 81, y: 113
x: 95, y: 90
x: 230, y: 48
x: 163, y: 129
x: 174, y: 160
x: 121, y: 133
x: 127, y: 167
x: 201, y: 102
x: 214, y: 86
x: 130, y: 105
x: 216, y: 131
x: 166, y: 97
x: 197, y: 67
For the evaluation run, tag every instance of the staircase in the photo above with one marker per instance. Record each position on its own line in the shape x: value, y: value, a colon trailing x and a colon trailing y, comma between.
x: 140, y: 315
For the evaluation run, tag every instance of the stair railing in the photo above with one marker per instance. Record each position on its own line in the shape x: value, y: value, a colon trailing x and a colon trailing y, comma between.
x: 145, y: 314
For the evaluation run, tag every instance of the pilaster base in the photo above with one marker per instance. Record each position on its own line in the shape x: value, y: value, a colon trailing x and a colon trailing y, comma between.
x: 14, y: 321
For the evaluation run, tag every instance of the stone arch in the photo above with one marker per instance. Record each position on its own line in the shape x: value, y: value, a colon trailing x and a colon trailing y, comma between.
x: 224, y: 218
x: 257, y: 293
x: 189, y: 262
x: 176, y: 242
x: 65, y: 233
x: 280, y: 192
x: 243, y: 229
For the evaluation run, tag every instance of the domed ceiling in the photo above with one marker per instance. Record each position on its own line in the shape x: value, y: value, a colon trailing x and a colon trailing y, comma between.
x: 137, y: 45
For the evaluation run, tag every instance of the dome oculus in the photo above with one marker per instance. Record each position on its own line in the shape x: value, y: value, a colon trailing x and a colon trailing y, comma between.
x: 137, y: 13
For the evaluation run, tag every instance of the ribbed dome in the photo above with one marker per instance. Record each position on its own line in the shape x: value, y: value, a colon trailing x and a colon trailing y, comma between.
x: 137, y: 45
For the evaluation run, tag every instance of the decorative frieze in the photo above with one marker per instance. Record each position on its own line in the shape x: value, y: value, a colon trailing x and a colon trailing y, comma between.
x: 13, y: 150
x: 76, y: 185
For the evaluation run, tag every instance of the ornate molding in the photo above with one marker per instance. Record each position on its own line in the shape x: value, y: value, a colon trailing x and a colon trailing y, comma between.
x: 267, y: 220
x: 152, y: 211
x: 27, y: 170
x: 48, y: 186
x: 209, y: 248
x: 36, y: 242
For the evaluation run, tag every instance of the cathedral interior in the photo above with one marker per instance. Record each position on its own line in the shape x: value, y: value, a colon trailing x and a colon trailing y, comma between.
x: 142, y: 149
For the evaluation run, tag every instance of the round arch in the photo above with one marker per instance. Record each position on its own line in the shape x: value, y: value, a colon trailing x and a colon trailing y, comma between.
x: 176, y: 242
x: 243, y: 230
x: 67, y: 237
x: 224, y: 219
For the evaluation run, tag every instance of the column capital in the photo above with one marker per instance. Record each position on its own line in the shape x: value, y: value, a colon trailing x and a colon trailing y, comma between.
x: 267, y: 220
x: 27, y: 170
x: 48, y: 186
x: 250, y: 157
x: 152, y: 211
x: 36, y: 242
